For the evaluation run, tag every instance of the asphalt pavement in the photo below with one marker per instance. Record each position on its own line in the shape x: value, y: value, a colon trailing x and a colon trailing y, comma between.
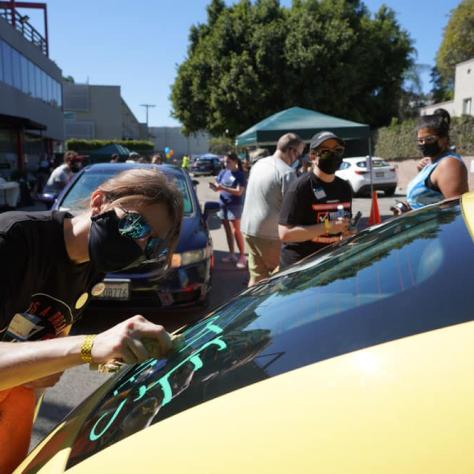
x: 228, y: 281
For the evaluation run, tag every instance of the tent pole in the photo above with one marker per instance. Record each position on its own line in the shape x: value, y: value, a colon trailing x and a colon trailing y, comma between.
x: 369, y: 165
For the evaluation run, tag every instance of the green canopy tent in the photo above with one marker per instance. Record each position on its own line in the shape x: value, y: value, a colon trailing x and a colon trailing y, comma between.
x: 104, y: 154
x: 306, y: 123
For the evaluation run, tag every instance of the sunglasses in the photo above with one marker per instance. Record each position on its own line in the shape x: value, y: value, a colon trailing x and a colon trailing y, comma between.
x: 326, y: 152
x: 134, y: 226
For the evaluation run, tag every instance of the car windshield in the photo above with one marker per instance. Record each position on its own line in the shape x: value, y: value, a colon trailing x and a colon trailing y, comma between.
x: 396, y: 280
x: 375, y: 164
x: 77, y: 198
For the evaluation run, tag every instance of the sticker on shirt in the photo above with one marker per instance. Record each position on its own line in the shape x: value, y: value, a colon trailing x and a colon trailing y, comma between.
x: 229, y: 181
x: 45, y: 318
x: 319, y: 193
x: 329, y: 212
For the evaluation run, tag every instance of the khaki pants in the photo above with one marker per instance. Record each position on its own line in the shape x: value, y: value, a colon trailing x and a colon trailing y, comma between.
x: 263, y: 257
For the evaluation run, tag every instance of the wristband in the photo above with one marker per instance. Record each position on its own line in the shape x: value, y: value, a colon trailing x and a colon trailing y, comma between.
x: 86, y: 348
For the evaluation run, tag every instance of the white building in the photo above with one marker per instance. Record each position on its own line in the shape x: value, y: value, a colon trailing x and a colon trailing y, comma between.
x: 463, y: 92
x: 100, y: 113
x: 172, y: 138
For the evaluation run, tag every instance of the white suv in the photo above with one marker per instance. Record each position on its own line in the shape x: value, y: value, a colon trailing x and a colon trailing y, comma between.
x: 355, y: 171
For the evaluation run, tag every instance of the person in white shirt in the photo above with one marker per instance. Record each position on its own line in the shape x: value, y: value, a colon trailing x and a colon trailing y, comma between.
x: 63, y: 173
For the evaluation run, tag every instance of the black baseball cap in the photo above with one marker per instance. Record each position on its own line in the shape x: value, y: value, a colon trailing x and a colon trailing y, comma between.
x: 321, y: 137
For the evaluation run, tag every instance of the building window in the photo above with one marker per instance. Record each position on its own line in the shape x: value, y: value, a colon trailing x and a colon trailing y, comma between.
x: 19, y: 72
x: 467, y: 106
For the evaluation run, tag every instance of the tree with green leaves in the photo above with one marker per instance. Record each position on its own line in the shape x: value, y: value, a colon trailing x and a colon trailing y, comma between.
x: 253, y: 59
x: 458, y: 42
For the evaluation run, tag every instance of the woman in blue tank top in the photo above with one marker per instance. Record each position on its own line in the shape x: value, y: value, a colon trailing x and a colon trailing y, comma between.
x: 444, y: 174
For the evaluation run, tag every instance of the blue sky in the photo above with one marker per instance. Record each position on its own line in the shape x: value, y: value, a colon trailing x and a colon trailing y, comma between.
x: 137, y: 44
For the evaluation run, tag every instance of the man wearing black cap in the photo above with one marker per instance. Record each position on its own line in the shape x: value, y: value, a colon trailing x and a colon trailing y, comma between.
x: 316, y: 209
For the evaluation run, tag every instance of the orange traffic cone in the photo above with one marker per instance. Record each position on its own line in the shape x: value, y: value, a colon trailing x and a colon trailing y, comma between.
x: 374, y: 217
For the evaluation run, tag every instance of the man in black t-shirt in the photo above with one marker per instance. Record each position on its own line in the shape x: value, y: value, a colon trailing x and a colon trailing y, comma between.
x: 316, y: 209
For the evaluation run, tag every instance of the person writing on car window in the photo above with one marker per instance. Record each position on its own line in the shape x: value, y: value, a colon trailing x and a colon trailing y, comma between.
x: 443, y: 173
x: 316, y: 209
x: 52, y: 263
x: 230, y: 183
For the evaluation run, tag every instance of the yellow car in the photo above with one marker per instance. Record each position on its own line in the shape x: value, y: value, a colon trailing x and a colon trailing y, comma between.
x: 360, y: 359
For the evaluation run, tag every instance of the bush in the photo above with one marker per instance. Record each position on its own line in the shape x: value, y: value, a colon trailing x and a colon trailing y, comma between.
x: 90, y: 145
x: 397, y: 141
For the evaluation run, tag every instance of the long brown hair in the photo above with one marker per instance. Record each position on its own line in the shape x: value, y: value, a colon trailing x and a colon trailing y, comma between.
x: 148, y: 186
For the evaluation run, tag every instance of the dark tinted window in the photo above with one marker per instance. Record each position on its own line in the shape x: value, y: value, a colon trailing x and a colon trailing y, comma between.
x: 78, y: 196
x: 375, y: 164
x: 406, y: 277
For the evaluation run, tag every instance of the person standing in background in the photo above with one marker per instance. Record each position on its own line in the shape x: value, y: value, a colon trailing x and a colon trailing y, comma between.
x: 63, y: 173
x: 443, y: 173
x: 269, y: 180
x: 230, y: 183
x: 185, y: 162
x: 316, y: 209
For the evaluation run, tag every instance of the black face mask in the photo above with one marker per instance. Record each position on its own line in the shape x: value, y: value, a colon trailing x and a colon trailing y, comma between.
x: 108, y: 250
x: 429, y: 149
x: 329, y: 162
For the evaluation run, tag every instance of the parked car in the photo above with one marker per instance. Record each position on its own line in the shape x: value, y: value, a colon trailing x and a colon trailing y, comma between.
x: 207, y: 164
x: 355, y: 171
x: 48, y: 195
x: 358, y: 359
x: 188, y: 280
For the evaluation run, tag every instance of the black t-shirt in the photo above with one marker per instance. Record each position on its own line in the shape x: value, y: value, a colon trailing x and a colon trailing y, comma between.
x: 310, y: 201
x: 41, y: 290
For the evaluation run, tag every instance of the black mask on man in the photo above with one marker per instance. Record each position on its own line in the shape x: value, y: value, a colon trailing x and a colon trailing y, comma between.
x: 108, y: 250
x: 429, y: 149
x: 329, y: 162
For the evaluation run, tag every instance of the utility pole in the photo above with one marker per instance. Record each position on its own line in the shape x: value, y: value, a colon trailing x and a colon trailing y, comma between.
x: 147, y: 106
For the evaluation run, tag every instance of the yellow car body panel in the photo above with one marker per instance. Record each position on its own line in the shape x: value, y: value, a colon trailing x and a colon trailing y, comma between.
x: 404, y: 406
x: 467, y: 206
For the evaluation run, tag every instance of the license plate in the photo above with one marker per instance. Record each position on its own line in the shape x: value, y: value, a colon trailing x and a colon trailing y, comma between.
x: 379, y: 174
x: 115, y: 290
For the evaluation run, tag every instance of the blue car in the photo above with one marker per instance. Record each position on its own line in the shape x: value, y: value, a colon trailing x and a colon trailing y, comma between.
x: 188, y: 280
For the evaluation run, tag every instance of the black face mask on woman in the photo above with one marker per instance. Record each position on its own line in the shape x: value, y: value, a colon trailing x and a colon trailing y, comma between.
x: 110, y: 251
x: 429, y: 149
x: 329, y: 162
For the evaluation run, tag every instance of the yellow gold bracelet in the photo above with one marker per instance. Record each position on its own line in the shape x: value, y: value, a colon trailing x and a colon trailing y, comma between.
x: 86, y: 348
x: 327, y: 225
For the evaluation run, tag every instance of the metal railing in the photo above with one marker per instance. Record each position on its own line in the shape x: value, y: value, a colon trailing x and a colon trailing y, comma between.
x: 20, y: 23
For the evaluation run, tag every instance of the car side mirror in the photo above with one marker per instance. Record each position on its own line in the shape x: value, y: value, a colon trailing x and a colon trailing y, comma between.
x: 210, y: 211
x: 195, y: 182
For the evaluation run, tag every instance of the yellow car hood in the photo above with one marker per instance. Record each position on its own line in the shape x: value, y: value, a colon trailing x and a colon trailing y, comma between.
x: 403, y: 406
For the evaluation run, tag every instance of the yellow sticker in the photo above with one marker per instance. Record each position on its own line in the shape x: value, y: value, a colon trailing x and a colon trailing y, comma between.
x: 98, y: 289
x: 82, y: 300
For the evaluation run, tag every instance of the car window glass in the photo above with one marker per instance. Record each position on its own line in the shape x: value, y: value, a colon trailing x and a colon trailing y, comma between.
x: 77, y: 198
x: 375, y: 164
x: 390, y: 282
